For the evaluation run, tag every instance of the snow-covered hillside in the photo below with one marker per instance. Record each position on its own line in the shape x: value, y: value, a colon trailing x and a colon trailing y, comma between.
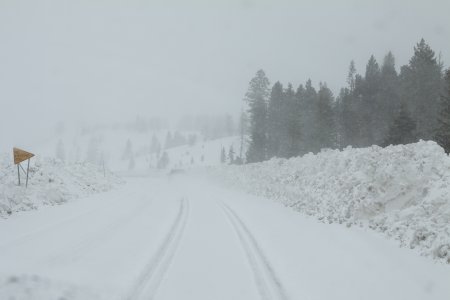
x: 51, y: 182
x: 403, y: 191
x: 131, y: 151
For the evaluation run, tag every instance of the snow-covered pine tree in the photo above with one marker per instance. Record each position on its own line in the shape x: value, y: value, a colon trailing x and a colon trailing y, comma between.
x: 421, y: 88
x: 388, y: 100
x: 128, y: 151
x: 275, y: 120
x: 349, y: 110
x: 403, y: 129
x: 163, y: 161
x: 131, y: 163
x: 256, y: 98
x: 231, y: 155
x: 325, y: 120
x: 290, y: 124
x: 308, y: 112
x: 223, y: 156
x: 369, y: 109
x: 443, y: 131
x: 351, y: 76
x: 243, y: 128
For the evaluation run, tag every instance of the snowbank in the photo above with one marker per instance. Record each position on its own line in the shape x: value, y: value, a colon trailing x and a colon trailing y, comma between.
x: 30, y: 287
x: 403, y: 191
x: 51, y: 182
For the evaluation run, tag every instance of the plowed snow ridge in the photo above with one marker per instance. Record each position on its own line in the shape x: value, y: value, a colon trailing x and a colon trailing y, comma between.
x: 399, y: 190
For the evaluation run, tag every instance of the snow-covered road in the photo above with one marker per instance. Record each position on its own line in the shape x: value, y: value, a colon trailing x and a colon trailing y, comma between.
x: 187, y: 238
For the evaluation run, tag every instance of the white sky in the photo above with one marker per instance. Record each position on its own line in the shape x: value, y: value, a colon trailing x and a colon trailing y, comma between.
x: 107, y: 60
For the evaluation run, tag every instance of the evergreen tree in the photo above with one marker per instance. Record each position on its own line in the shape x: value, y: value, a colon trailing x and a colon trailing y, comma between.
x: 163, y: 161
x: 128, y: 151
x: 290, y: 126
x: 307, y: 97
x: 443, y: 131
x: 369, y: 106
x: 421, y: 88
x: 402, y: 130
x: 243, y: 127
x: 351, y: 76
x: 348, y: 110
x: 238, y: 161
x: 223, y: 156
x: 275, y: 120
x: 131, y: 163
x: 388, y: 99
x: 256, y: 97
x: 325, y: 124
x: 231, y: 155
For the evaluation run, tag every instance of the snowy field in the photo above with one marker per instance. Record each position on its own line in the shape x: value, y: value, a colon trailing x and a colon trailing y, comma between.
x: 402, y: 191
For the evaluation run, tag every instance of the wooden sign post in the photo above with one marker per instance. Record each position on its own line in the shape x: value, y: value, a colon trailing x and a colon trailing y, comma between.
x: 20, y: 156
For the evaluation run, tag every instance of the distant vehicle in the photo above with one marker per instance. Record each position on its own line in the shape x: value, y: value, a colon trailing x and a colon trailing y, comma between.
x: 176, y: 172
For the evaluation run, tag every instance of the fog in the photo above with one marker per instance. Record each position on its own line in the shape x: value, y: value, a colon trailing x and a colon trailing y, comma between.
x: 85, y: 62
x: 225, y: 149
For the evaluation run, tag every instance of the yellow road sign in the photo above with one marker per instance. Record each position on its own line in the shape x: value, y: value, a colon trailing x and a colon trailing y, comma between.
x: 21, y: 155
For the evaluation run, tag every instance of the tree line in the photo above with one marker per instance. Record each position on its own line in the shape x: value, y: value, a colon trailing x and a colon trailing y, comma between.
x: 380, y: 107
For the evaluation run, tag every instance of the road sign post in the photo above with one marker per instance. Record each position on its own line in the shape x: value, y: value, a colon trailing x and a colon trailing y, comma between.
x: 28, y: 170
x: 20, y: 156
x: 18, y: 172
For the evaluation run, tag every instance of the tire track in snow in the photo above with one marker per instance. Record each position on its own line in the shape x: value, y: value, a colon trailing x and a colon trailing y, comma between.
x: 153, y: 273
x: 75, y: 252
x: 267, y: 282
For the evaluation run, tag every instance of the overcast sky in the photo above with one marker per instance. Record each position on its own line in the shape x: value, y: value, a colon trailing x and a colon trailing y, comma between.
x: 110, y: 60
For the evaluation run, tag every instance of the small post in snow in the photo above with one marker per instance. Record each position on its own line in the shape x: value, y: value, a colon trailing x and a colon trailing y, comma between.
x: 28, y: 170
x: 20, y: 156
x: 18, y: 172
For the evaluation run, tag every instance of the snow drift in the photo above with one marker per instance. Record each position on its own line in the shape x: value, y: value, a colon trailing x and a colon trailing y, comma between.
x: 51, y: 182
x: 29, y: 287
x: 403, y: 191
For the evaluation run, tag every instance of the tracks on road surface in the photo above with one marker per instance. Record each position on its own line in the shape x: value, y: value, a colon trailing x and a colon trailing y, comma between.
x: 267, y: 282
x: 153, y: 273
